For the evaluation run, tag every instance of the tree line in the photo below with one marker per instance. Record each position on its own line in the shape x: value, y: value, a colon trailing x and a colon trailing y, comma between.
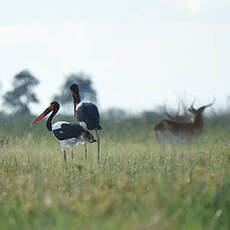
x: 18, y: 100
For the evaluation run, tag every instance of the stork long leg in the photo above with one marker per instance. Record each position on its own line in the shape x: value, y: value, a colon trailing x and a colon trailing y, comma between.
x: 86, y: 152
x: 64, y: 155
x: 98, y: 146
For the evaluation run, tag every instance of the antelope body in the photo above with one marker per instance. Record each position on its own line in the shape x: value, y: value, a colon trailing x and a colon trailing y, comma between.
x: 168, y: 130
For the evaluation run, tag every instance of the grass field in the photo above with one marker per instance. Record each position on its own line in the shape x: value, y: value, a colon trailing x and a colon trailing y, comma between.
x: 139, y: 184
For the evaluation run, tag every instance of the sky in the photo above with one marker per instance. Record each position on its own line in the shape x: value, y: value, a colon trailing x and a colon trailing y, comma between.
x: 140, y: 54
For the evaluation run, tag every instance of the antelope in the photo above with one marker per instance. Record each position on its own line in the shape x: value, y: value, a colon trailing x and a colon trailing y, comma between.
x: 182, y: 131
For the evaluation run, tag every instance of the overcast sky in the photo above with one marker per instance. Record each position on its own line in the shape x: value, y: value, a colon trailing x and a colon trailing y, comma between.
x: 139, y: 54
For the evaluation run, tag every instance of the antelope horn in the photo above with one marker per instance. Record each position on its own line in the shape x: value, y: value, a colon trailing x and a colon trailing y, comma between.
x: 193, y: 104
x: 213, y: 101
x: 208, y: 105
x: 205, y: 106
x: 167, y: 114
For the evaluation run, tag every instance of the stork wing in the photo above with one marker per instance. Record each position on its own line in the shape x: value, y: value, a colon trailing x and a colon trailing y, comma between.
x: 67, y: 131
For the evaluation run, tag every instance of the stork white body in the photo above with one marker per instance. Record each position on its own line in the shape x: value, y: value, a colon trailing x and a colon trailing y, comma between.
x: 71, y: 142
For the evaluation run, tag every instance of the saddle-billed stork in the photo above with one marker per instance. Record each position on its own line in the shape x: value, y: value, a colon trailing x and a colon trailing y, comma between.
x: 66, y: 132
x: 87, y: 114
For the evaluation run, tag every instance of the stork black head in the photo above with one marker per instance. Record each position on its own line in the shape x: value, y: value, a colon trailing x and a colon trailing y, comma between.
x: 74, y: 88
x: 76, y: 96
x: 54, y: 106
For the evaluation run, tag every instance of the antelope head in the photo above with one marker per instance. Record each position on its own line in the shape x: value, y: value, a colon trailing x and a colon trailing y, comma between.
x: 199, y: 110
x: 197, y: 113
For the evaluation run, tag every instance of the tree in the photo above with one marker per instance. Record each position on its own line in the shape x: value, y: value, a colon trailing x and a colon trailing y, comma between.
x: 84, y: 82
x: 19, y: 98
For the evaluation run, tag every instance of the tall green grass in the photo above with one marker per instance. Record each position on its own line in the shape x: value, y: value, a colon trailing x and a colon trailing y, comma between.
x: 139, y: 184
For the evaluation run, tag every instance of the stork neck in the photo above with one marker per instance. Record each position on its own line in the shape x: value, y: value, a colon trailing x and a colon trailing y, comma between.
x: 78, y: 98
x: 48, y: 123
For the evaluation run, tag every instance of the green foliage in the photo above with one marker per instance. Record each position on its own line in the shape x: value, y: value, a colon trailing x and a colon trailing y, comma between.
x: 139, y: 184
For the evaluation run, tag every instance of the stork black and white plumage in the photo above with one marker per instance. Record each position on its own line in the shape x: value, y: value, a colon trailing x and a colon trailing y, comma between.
x: 67, y: 133
x: 87, y: 114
